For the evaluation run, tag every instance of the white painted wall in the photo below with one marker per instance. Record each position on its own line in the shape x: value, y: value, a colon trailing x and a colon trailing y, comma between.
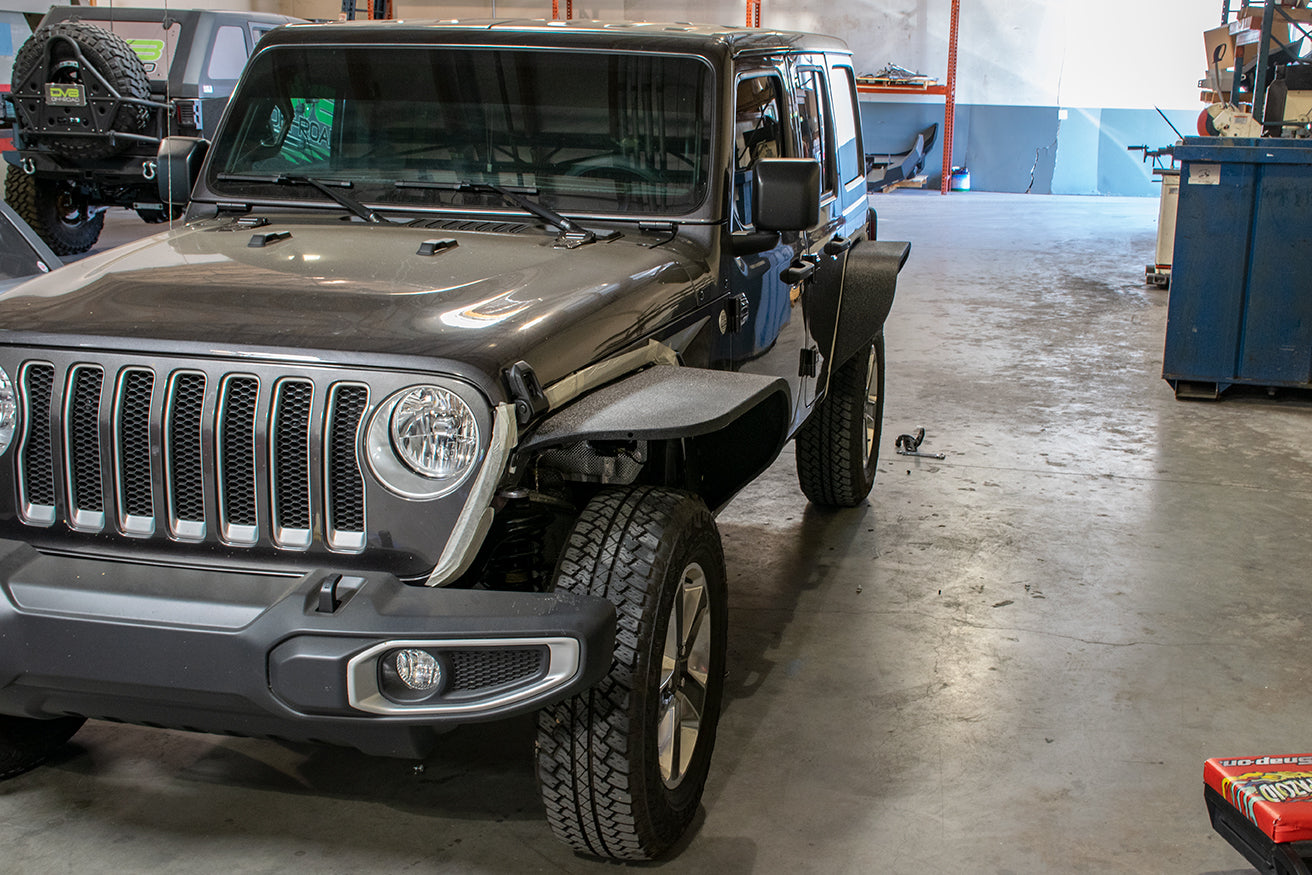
x: 1123, y: 53
x: 1073, y: 81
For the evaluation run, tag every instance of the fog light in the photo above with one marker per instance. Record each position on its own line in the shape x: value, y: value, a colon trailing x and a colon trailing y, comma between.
x: 410, y: 675
x: 418, y: 669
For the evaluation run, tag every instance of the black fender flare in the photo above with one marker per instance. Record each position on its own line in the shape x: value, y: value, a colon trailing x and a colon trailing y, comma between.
x: 732, y: 425
x: 856, y: 290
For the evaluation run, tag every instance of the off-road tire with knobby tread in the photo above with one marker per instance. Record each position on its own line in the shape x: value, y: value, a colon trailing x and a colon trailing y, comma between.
x: 833, y: 467
x: 47, y: 205
x: 111, y: 56
x: 20, y: 194
x: 26, y: 743
x: 598, y: 765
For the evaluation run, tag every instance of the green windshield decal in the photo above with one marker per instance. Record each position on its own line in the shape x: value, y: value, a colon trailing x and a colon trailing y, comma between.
x: 310, y: 133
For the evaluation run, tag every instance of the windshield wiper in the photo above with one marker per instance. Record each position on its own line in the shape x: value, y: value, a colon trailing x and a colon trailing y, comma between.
x: 571, y: 233
x: 327, y: 187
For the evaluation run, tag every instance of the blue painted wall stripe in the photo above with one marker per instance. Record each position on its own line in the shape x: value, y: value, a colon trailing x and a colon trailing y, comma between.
x: 1032, y: 148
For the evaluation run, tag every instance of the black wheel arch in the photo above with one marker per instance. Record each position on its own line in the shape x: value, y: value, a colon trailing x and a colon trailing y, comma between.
x: 708, y: 432
x: 853, y: 296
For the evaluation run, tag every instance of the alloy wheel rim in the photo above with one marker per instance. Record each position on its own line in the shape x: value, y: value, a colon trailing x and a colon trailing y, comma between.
x: 685, y: 671
x: 870, y: 408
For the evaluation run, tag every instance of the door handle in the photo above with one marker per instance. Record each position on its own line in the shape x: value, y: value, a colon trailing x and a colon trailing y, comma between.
x: 838, y: 245
x: 800, y: 270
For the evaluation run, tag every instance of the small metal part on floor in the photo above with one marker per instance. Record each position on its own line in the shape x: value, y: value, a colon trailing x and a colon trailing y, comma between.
x: 909, y: 445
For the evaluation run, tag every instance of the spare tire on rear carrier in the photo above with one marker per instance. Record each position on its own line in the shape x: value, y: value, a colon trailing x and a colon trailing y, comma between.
x: 96, y: 76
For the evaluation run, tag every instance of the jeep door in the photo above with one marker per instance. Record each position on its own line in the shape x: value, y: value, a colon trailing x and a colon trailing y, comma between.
x: 829, y: 131
x: 770, y: 335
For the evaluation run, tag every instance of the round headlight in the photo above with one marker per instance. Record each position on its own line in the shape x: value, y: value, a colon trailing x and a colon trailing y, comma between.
x: 434, y: 432
x: 8, y: 410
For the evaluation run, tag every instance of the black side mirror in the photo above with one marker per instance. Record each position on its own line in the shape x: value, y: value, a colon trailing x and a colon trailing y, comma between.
x: 786, y: 194
x: 177, y: 167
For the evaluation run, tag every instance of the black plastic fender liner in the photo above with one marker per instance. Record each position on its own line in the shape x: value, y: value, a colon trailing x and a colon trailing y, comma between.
x: 735, y: 424
x: 845, y: 324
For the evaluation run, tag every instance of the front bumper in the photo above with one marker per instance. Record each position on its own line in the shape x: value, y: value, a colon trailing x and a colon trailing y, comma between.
x: 285, y: 657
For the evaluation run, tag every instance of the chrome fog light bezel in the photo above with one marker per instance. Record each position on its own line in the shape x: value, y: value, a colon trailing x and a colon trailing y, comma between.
x: 363, y: 673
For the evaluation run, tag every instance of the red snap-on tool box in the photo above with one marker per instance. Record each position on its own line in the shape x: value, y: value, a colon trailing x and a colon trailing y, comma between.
x: 1262, y: 805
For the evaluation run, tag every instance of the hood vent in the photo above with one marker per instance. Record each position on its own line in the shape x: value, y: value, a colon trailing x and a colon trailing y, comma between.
x: 473, y: 226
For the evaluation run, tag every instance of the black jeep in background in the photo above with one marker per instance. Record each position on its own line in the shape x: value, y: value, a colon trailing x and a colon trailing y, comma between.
x: 95, y: 90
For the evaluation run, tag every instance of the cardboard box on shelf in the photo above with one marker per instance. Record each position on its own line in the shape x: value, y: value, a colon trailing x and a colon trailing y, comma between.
x: 1220, y: 47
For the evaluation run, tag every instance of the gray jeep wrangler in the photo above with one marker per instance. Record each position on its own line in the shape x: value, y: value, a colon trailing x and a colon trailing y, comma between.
x: 423, y: 415
x: 95, y: 90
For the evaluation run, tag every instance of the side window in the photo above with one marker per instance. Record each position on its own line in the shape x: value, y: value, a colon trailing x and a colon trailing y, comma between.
x: 816, y: 127
x: 258, y: 31
x: 228, y: 55
x: 847, y: 124
x: 758, y: 134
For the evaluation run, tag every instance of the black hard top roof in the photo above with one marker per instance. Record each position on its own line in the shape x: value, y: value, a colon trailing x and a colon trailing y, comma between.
x: 618, y: 35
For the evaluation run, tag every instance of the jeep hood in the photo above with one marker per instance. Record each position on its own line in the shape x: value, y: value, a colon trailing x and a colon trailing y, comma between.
x: 338, y: 290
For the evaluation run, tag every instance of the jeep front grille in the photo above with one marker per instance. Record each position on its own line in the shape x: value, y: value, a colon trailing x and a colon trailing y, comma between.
x: 183, y: 473
x: 290, y: 447
x: 132, y: 443
x: 192, y: 455
x: 37, y: 457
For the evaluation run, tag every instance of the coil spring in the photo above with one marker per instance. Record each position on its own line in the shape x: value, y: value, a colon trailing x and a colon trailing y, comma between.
x: 517, y: 561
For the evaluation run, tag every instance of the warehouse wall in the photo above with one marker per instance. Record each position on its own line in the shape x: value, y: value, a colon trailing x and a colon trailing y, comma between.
x: 1049, y: 92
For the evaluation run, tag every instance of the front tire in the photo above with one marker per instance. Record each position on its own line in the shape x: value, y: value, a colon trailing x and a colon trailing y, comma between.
x: 622, y: 766
x: 26, y: 743
x: 838, y: 446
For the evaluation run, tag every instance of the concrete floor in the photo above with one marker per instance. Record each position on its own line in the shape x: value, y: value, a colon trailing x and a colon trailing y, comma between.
x: 1013, y: 660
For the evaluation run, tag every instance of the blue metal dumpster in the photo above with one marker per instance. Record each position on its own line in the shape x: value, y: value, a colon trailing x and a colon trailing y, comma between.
x: 1240, y: 309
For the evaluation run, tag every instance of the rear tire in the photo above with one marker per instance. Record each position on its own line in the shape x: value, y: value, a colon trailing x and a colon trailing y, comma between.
x: 622, y: 766
x: 59, y: 213
x: 838, y: 446
x: 26, y: 743
x: 110, y: 56
x: 156, y: 217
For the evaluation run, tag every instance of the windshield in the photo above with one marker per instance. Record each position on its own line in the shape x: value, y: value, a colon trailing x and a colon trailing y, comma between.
x: 584, y: 132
